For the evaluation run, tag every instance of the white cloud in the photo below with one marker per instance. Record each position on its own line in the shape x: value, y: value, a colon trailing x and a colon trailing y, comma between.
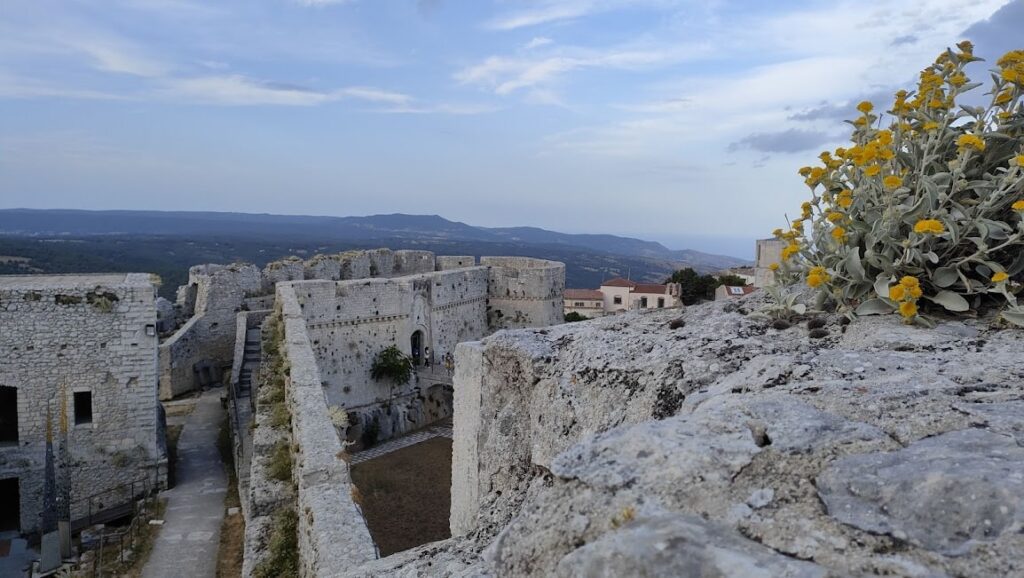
x: 374, y: 95
x: 237, y: 90
x: 537, y: 42
x: 507, y: 74
x: 12, y: 86
x: 112, y: 56
x: 240, y: 90
x: 832, y: 54
x: 550, y: 11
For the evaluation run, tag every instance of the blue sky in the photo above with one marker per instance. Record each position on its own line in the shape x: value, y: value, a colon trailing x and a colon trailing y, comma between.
x: 681, y: 121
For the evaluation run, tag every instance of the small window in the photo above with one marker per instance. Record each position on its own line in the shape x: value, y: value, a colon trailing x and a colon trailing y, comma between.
x: 661, y: 302
x: 736, y: 290
x: 643, y: 303
x: 617, y: 300
x: 83, y: 407
x: 577, y: 304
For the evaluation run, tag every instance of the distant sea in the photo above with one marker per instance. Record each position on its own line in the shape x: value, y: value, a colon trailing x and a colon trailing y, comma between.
x: 740, y: 247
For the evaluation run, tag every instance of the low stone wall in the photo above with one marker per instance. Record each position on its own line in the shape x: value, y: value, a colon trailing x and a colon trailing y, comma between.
x: 753, y: 448
x: 333, y: 536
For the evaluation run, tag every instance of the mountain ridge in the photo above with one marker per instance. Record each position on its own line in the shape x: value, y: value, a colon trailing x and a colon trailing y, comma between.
x: 34, y: 222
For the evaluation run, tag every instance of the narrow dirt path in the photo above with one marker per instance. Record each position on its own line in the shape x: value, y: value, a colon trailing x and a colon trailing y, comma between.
x: 188, y: 542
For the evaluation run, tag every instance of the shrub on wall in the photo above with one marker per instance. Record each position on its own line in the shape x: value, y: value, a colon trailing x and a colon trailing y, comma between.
x: 392, y: 365
x: 924, y: 209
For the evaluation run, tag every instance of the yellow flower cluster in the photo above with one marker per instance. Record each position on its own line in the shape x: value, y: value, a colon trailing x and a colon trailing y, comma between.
x: 929, y: 226
x: 839, y: 234
x: 790, y: 250
x: 845, y: 198
x: 969, y: 142
x: 1012, y: 65
x: 1000, y: 277
x: 906, y: 293
x: 1018, y: 206
x: 817, y: 276
x: 892, y: 182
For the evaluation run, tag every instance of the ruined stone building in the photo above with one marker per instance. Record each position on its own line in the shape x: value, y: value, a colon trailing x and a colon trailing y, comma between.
x: 83, y: 347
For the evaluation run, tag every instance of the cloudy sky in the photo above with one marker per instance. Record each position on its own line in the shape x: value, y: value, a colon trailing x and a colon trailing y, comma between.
x: 680, y: 121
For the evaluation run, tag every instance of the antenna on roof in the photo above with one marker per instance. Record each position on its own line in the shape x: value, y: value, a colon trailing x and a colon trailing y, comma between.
x: 629, y: 272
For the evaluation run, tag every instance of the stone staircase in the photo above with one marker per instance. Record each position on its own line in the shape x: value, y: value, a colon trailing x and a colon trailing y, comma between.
x: 250, y: 362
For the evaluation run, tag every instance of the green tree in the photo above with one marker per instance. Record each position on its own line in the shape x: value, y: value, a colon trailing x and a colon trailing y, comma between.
x: 694, y: 287
x: 575, y: 316
x: 731, y: 280
x: 392, y: 365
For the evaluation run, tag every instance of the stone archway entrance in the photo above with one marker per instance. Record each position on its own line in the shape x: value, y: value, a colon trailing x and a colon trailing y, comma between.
x: 416, y: 347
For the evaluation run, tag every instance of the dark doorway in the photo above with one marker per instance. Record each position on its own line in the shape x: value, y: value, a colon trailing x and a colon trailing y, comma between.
x: 8, y: 415
x: 416, y: 341
x: 10, y: 505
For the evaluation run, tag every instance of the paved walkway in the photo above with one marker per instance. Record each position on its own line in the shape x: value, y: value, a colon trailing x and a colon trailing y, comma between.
x: 15, y: 555
x: 440, y: 429
x: 187, y: 544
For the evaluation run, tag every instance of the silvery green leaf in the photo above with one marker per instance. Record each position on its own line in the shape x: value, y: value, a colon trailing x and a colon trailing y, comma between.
x: 951, y: 301
x: 1018, y: 264
x: 854, y: 266
x: 882, y: 284
x: 799, y: 308
x: 1015, y: 317
x: 874, y: 307
x: 931, y: 256
x: 945, y: 276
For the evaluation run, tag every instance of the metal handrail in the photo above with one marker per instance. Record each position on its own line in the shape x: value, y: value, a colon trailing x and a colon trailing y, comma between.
x: 142, y: 483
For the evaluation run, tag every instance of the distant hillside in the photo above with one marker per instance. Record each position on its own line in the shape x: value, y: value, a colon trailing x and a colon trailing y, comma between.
x: 59, y: 241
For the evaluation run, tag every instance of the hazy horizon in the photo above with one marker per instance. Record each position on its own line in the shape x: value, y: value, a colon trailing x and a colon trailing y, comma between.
x: 677, y: 121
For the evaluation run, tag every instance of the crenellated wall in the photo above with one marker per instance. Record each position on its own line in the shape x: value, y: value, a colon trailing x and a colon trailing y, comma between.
x: 524, y: 292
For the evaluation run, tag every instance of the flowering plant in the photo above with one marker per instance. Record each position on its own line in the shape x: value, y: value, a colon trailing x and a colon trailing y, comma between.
x: 927, y: 207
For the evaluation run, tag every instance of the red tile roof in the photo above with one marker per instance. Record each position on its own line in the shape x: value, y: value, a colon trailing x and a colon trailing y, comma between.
x: 730, y: 290
x: 650, y: 288
x: 618, y: 282
x: 583, y: 294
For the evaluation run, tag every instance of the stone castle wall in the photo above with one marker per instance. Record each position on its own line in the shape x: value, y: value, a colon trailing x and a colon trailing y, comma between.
x: 332, y: 532
x: 198, y: 352
x: 350, y: 322
x: 82, y: 333
x: 521, y: 292
x: 524, y: 292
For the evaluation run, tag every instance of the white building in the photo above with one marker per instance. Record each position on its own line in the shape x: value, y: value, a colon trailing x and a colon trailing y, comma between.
x: 619, y: 295
x: 586, y: 302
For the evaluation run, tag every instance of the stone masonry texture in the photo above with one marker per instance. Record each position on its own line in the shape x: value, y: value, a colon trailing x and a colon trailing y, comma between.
x: 710, y: 443
x: 85, y: 334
